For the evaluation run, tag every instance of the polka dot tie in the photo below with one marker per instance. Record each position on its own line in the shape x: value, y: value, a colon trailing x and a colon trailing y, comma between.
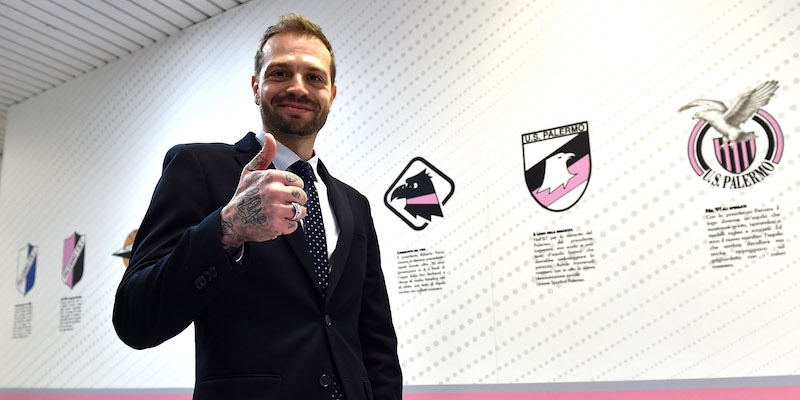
x: 312, y: 225
x: 315, y: 236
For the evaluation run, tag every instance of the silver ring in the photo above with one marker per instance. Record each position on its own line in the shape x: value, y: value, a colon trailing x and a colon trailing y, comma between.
x: 297, y: 211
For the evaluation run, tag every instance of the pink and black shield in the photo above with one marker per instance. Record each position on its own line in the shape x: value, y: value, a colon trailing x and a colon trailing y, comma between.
x: 72, y: 265
x: 557, y: 168
x: 735, y: 157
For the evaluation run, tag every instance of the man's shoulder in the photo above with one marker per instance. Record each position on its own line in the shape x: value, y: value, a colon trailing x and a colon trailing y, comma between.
x: 200, y: 147
x: 196, y: 152
x: 212, y: 149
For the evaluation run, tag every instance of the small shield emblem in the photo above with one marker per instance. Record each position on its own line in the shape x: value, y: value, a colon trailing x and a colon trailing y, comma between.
x: 26, y: 268
x: 557, y: 165
x: 72, y: 265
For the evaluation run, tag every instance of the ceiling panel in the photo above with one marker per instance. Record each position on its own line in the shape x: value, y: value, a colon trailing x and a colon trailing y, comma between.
x: 34, y: 62
x: 9, y: 73
x: 45, y: 43
x: 30, y: 49
x: 18, y: 86
x: 56, y: 39
x: 145, y: 15
x: 164, y: 12
x: 128, y: 24
x: 94, y: 25
x: 205, y: 6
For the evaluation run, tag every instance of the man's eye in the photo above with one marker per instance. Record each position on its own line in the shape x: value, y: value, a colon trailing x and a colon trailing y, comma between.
x: 278, y: 74
x: 315, y: 78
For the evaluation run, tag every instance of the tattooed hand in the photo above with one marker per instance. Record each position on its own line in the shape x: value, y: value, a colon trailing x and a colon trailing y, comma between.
x: 261, y: 209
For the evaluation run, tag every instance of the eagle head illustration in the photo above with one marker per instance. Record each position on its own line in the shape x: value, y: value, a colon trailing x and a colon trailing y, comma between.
x: 556, y: 173
x: 420, y: 195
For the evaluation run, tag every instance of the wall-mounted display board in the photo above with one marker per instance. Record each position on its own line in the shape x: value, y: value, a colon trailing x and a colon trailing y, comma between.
x: 570, y: 196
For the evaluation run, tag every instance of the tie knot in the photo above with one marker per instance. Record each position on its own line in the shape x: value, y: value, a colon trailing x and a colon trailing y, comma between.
x: 303, y: 170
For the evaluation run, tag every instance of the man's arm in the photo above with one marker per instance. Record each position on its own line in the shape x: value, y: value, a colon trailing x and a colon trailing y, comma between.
x: 178, y: 263
x: 183, y: 255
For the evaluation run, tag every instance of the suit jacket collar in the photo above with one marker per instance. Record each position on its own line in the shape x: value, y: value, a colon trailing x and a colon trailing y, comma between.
x: 247, y: 148
x: 344, y: 216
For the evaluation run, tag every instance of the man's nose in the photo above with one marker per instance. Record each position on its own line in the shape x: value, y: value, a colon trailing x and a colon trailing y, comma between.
x: 297, y: 86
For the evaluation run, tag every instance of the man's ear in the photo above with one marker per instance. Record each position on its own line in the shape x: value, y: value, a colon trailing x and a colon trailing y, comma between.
x: 254, y: 85
x: 333, y: 93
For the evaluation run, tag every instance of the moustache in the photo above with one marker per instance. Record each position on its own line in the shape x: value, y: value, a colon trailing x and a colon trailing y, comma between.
x: 297, y: 100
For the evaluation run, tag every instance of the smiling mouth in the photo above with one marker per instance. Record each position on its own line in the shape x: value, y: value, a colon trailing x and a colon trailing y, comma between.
x: 296, y: 108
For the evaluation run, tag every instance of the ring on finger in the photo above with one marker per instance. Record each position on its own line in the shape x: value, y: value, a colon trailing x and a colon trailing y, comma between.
x: 297, y: 211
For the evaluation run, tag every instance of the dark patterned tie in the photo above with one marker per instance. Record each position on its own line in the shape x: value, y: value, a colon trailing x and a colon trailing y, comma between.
x: 312, y: 225
x: 315, y: 236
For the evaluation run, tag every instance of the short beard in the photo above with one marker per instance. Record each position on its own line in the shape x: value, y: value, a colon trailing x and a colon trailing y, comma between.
x: 279, y: 124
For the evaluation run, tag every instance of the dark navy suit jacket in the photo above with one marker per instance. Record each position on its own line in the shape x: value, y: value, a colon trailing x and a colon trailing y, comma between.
x: 262, y: 327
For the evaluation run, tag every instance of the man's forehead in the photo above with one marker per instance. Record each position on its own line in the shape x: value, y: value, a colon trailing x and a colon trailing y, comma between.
x: 296, y: 43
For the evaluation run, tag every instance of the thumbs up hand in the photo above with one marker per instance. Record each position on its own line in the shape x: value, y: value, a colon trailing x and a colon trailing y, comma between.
x: 261, y: 209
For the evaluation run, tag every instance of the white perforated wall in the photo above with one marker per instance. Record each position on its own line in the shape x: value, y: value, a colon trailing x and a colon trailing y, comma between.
x: 457, y: 83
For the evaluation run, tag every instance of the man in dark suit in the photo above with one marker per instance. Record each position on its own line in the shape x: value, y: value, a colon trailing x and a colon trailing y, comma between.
x: 281, y: 310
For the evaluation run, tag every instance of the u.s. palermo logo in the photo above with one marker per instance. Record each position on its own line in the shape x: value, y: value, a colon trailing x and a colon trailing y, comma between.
x: 557, y: 165
x: 418, y: 193
x: 26, y: 268
x: 738, y: 146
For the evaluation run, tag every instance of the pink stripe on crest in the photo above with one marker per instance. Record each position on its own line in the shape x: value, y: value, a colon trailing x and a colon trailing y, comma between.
x: 426, y: 199
x: 778, y: 135
x: 580, y: 168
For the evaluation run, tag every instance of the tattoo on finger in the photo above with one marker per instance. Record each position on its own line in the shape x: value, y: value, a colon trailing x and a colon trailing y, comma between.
x: 256, y: 163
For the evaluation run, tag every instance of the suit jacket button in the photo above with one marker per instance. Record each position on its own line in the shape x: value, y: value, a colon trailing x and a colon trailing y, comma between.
x: 324, y: 380
x: 200, y: 282
x: 210, y: 275
x: 328, y: 320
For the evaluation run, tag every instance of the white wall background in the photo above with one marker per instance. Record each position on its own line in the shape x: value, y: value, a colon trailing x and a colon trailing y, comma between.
x: 458, y: 83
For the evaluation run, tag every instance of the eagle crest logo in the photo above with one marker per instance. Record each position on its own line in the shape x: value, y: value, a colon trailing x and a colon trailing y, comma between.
x: 738, y: 146
x: 415, y: 196
x: 557, y: 165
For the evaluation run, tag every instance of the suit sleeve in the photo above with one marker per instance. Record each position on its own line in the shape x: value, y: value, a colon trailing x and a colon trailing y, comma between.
x: 376, y: 331
x: 178, y: 264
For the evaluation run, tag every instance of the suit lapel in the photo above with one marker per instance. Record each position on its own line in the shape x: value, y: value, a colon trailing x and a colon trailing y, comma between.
x: 344, y: 216
x: 248, y: 147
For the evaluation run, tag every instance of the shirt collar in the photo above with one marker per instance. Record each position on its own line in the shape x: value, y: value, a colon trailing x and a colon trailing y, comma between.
x: 285, y: 157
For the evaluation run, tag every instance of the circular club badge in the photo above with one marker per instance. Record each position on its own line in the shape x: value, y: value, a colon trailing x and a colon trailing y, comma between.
x: 736, y: 147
